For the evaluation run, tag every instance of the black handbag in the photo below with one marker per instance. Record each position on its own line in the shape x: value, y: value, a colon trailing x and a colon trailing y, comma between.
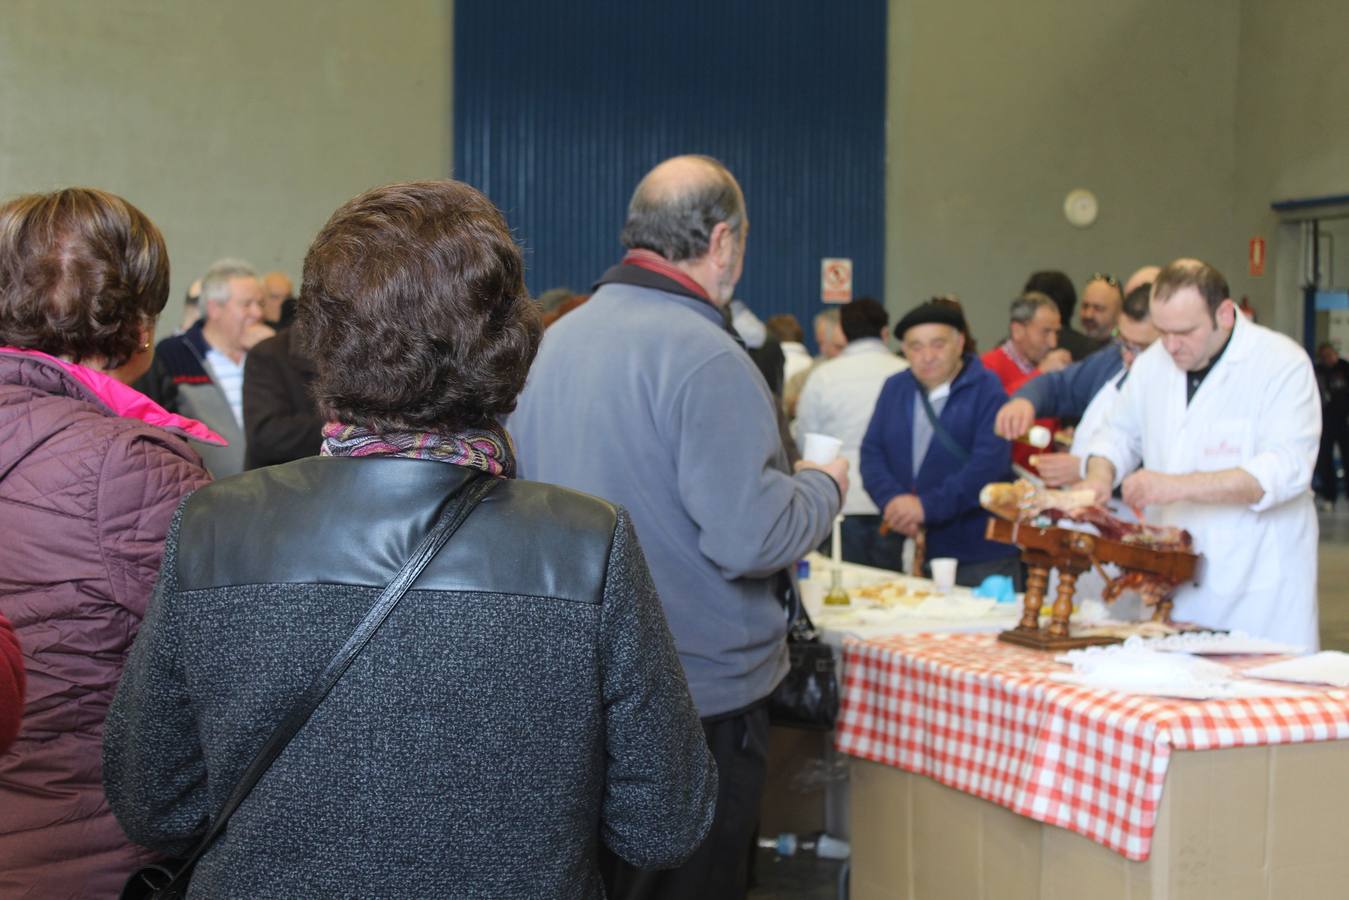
x: 168, y: 879
x: 807, y: 696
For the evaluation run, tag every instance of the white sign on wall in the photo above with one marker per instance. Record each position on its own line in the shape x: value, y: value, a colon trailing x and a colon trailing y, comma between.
x: 836, y: 280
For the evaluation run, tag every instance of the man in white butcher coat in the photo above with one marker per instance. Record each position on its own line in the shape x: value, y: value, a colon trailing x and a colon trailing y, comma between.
x: 1224, y: 417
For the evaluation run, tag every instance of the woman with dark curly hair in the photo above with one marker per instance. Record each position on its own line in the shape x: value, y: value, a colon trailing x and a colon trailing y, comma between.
x: 90, y: 473
x: 520, y: 706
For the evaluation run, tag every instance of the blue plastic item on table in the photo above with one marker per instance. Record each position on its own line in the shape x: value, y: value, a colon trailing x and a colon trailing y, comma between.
x: 999, y: 587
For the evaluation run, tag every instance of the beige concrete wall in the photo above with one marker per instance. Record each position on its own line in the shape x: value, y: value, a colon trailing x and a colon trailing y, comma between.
x: 1292, y: 134
x: 997, y: 110
x: 238, y: 127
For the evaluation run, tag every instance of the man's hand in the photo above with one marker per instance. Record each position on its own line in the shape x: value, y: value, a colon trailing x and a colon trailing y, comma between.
x: 1055, y: 360
x: 1058, y: 469
x: 1100, y: 479
x: 904, y: 514
x: 1146, y: 488
x: 1099, y: 489
x: 1014, y: 419
x: 837, y: 470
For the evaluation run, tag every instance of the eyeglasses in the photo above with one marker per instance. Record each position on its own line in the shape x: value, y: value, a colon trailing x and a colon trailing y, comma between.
x: 1102, y: 276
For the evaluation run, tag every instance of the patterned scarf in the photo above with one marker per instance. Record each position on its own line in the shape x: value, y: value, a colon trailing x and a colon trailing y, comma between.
x: 488, y: 449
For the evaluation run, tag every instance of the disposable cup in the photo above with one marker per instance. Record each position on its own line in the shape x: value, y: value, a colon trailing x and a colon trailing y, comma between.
x: 944, y: 573
x: 821, y: 448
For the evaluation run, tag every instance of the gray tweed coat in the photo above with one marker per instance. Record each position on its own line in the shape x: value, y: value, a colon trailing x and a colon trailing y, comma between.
x: 522, y: 704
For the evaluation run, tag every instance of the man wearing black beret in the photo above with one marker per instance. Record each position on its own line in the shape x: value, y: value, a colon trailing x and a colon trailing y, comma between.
x: 930, y: 447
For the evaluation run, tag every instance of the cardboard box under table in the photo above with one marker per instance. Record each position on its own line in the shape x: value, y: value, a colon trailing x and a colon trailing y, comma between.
x: 977, y: 776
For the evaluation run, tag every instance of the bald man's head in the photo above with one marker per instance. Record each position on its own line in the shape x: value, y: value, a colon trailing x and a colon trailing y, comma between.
x: 276, y: 290
x: 678, y: 204
x: 277, y: 283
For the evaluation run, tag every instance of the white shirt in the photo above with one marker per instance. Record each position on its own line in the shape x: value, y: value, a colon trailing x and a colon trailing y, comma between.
x: 795, y: 358
x: 923, y: 429
x: 838, y: 400
x: 229, y: 375
x: 746, y: 324
x: 1095, y: 416
x: 1258, y: 409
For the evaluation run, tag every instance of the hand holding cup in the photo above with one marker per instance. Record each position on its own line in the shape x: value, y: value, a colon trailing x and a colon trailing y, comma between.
x: 821, y: 452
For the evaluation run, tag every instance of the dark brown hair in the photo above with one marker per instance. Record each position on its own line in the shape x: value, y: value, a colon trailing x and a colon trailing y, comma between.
x: 1136, y: 304
x: 1058, y: 287
x: 414, y: 310
x: 82, y: 272
x: 863, y: 318
x: 1192, y: 273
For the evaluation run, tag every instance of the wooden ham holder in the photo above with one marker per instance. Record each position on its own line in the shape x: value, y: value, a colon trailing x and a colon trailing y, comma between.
x: 1156, y: 573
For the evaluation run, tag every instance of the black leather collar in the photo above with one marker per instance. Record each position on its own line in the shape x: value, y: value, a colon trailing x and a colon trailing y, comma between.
x: 327, y: 520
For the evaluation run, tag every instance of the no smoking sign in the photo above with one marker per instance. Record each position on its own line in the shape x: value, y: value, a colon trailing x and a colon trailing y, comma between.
x: 836, y: 280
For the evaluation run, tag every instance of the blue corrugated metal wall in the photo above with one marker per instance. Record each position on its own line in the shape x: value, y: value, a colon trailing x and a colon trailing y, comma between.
x: 560, y: 108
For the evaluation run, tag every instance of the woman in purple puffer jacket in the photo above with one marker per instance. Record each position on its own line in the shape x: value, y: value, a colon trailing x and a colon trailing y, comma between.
x: 90, y: 474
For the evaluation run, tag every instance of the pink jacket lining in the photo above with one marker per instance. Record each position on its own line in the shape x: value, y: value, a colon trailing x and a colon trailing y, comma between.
x: 125, y: 400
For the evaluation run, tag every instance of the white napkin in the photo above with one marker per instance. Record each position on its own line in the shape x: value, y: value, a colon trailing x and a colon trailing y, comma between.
x: 1327, y: 667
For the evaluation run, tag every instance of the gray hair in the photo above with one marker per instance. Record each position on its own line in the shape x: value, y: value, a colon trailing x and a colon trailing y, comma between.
x: 678, y: 224
x: 830, y: 316
x: 215, y: 284
x: 1025, y: 306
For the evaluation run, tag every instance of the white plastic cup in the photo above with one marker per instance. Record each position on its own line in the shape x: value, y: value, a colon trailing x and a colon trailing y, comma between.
x: 944, y: 573
x: 832, y: 848
x: 821, y: 449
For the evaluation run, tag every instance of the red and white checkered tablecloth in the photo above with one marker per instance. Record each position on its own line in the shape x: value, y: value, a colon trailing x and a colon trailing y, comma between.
x: 984, y: 718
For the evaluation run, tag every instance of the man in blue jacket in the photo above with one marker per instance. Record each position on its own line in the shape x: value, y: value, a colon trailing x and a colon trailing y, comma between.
x: 930, y: 447
x: 1084, y: 390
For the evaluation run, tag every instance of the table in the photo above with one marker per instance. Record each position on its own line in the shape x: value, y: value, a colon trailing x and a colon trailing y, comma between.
x: 834, y: 629
x: 795, y: 797
x: 970, y: 735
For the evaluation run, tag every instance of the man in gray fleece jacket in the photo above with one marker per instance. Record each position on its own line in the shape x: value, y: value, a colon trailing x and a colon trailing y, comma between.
x: 644, y: 397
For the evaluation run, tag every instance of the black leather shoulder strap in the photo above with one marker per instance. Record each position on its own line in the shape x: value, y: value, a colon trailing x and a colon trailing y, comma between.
x: 466, y: 500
